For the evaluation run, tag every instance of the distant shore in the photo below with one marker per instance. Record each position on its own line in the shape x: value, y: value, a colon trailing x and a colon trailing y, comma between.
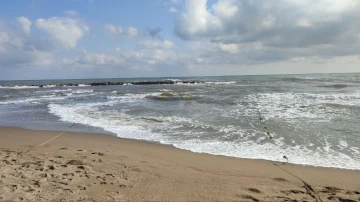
x: 80, y: 166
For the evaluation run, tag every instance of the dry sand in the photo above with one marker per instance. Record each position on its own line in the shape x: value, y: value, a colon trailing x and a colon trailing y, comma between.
x: 96, y: 167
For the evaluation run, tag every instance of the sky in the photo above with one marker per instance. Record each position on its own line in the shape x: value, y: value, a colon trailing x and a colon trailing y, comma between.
x: 70, y: 39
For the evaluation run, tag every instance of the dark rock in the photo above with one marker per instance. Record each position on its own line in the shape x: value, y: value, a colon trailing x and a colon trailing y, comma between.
x: 122, y: 83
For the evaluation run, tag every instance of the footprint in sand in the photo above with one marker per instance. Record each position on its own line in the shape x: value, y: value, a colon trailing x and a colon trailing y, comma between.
x: 75, y: 162
x: 248, y: 197
x: 43, y: 175
x: 98, y: 153
x: 81, y: 167
x: 255, y: 190
x: 279, y: 179
x: 82, y: 187
x: 97, y: 160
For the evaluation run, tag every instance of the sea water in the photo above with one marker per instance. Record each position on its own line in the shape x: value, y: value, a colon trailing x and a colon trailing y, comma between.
x: 314, y: 119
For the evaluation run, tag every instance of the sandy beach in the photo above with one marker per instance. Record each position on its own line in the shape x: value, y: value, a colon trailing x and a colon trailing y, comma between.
x: 97, y: 167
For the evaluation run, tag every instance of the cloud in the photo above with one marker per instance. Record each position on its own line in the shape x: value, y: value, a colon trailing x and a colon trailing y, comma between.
x: 150, y: 58
x: 154, y: 32
x: 197, y: 21
x: 113, y: 30
x: 20, y: 50
x: 132, y: 32
x: 71, y: 13
x: 65, y: 31
x: 157, y: 44
x: 266, y: 31
x: 248, y: 20
x: 230, y: 48
x: 25, y: 23
x: 173, y: 10
x: 93, y: 60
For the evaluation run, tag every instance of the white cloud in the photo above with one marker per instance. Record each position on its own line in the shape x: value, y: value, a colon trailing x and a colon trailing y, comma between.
x: 4, y: 38
x: 303, y: 22
x: 93, y: 60
x: 25, y: 23
x: 173, y: 10
x: 71, y: 13
x: 264, y: 31
x: 242, y: 17
x: 9, y: 41
x: 225, y: 8
x: 197, y: 21
x: 17, y: 50
x: 117, y: 49
x: 268, y: 22
x: 158, y: 44
x: 113, y: 30
x: 168, y: 44
x: 229, y: 48
x: 65, y: 31
x: 132, y: 32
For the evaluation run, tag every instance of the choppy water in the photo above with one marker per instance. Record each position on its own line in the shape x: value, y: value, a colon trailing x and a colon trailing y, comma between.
x: 314, y: 119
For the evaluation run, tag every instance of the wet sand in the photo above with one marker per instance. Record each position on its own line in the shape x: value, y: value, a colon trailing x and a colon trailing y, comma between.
x: 97, y: 167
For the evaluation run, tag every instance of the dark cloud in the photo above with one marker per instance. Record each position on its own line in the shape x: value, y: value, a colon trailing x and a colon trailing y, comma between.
x: 274, y: 30
x: 154, y: 32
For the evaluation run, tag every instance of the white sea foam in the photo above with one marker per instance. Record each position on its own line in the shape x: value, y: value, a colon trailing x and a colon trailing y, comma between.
x: 221, y: 82
x: 49, y: 86
x: 84, y: 91
x: 131, y: 97
x: 120, y: 124
x: 43, y: 86
x: 32, y: 100
x: 53, y: 91
x: 291, y: 106
x: 18, y: 87
x: 83, y: 85
x: 128, y: 126
x: 271, y: 151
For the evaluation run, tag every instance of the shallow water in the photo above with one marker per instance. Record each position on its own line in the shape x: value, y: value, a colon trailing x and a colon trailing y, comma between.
x: 314, y: 119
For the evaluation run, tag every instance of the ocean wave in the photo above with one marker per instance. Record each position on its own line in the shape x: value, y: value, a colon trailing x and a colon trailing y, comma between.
x: 130, y: 97
x: 297, y: 79
x: 85, y: 91
x: 44, y: 99
x: 291, y: 106
x: 171, y: 96
x: 221, y: 82
x: 113, y: 122
x: 273, y: 152
x: 83, y: 85
x: 18, y: 87
x: 336, y: 86
x: 52, y: 91
x: 127, y: 126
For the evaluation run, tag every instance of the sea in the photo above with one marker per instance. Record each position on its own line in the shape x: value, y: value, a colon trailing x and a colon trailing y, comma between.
x: 313, y: 119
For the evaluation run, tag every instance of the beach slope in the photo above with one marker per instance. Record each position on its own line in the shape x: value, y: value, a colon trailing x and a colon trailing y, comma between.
x: 97, y: 167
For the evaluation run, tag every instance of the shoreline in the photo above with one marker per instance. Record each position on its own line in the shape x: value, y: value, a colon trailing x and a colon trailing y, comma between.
x: 103, y: 132
x: 114, y: 168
